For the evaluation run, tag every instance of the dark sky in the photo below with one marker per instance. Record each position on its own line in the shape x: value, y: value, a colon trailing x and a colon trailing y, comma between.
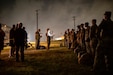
x: 54, y: 14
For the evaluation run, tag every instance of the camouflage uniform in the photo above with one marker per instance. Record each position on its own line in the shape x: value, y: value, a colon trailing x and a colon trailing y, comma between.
x: 105, y: 46
x: 87, y: 40
x: 72, y: 37
x: 65, y: 39
x: 93, y: 37
x: 69, y: 39
x: 82, y: 37
x: 2, y: 35
x: 37, y: 37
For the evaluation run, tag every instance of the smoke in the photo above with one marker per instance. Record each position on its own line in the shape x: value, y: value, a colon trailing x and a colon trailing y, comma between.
x: 54, y: 14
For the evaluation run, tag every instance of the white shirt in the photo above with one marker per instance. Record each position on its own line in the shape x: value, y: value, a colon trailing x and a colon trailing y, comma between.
x: 49, y: 33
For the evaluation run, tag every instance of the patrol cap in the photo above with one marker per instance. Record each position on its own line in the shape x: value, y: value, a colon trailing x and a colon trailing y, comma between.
x: 108, y: 13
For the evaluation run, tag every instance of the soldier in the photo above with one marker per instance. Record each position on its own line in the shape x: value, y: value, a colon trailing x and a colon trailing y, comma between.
x: 12, y: 41
x: 68, y: 38
x: 73, y: 39
x: 93, y: 37
x: 26, y: 45
x: 82, y: 37
x: 78, y: 35
x: 2, y: 35
x: 65, y: 38
x: 37, y: 37
x: 105, y: 47
x: 87, y: 40
x: 20, y: 37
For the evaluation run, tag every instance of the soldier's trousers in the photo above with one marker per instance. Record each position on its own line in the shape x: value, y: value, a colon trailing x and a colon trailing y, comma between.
x: 93, y: 46
x: 104, y: 49
x: 37, y: 43
x: 21, y: 49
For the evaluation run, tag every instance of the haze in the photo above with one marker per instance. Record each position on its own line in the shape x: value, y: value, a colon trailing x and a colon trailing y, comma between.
x: 54, y: 14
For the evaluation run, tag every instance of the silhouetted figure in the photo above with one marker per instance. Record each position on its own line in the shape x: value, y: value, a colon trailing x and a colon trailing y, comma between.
x: 65, y: 39
x: 82, y: 37
x: 93, y: 37
x: 105, y: 46
x: 2, y: 35
x: 68, y: 38
x: 20, y: 36
x: 37, y: 38
x: 48, y: 35
x: 73, y: 39
x: 25, y: 42
x: 12, y: 41
x: 87, y: 39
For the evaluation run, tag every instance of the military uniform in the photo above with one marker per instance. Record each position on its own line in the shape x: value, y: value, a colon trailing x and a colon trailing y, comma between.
x: 12, y: 41
x: 93, y: 37
x: 37, y: 37
x: 105, y: 45
x: 2, y: 35
x: 87, y: 40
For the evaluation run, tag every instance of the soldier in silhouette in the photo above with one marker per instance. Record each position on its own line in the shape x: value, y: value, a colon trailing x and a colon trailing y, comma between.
x: 105, y: 46
x: 2, y: 35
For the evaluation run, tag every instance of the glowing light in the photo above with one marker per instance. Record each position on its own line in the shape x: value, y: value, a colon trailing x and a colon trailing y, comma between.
x: 60, y: 38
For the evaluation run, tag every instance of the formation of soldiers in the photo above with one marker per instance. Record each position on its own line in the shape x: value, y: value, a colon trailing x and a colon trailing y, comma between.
x: 85, y: 38
x: 94, y: 42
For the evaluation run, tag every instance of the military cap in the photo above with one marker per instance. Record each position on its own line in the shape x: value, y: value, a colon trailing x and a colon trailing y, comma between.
x: 108, y: 13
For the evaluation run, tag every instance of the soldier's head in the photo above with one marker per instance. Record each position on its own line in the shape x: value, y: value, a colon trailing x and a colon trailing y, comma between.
x: 94, y: 21
x: 78, y: 26
x: 24, y: 28
x: 68, y: 29
x: 39, y: 30
x: 82, y: 26
x: 86, y: 24
x: 20, y: 25
x: 13, y: 25
x: 107, y: 15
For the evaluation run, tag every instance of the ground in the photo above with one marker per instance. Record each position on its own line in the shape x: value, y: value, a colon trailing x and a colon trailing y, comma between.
x: 56, y: 61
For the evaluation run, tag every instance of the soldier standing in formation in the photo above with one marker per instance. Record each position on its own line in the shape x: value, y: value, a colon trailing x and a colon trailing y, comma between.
x: 82, y: 36
x: 93, y: 37
x: 2, y: 35
x: 72, y: 38
x: 105, y: 45
x: 65, y: 38
x: 87, y: 39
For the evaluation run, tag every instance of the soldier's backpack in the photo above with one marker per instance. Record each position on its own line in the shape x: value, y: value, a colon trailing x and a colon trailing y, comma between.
x: 85, y: 59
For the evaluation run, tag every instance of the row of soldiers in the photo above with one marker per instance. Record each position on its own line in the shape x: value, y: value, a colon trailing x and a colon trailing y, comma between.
x: 85, y: 37
x: 95, y: 40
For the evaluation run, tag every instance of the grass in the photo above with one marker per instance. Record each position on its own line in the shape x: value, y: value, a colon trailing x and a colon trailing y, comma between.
x: 57, y: 61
